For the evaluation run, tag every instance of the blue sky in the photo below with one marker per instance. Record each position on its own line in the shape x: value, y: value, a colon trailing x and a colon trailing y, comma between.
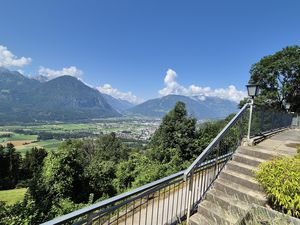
x: 130, y: 45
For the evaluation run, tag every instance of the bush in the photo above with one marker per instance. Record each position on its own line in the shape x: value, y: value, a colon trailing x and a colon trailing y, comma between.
x: 281, y: 180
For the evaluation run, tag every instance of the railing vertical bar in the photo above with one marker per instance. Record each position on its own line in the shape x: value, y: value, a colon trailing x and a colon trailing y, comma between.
x: 173, y: 198
x: 181, y: 198
x: 168, y: 203
x: 177, y: 200
x: 190, y: 195
x: 118, y: 216
x: 194, y: 189
x: 217, y: 159
x: 158, y: 201
x: 186, y: 194
x: 199, y: 186
x: 205, y: 178
x: 202, y: 183
x: 146, y: 210
x: 132, y: 220
x: 126, y: 214
x: 163, y: 208
x: 153, y: 201
x: 141, y: 200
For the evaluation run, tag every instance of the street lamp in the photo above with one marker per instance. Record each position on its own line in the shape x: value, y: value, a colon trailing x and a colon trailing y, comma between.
x: 253, y: 90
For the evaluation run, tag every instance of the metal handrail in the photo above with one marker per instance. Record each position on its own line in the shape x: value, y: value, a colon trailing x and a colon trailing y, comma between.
x: 215, y: 142
x: 96, y: 206
x: 151, y: 186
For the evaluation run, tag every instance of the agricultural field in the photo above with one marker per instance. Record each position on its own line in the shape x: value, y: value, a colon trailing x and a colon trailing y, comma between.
x: 12, y: 196
x: 49, y: 136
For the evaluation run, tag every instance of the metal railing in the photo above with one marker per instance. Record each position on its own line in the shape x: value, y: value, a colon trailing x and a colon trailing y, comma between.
x: 266, y: 120
x: 172, y: 199
x: 296, y: 120
x: 163, y: 201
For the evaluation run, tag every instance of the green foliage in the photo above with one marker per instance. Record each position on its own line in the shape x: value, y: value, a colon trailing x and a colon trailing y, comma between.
x: 100, y: 175
x: 279, y: 78
x: 10, y: 162
x: 281, y: 181
x: 109, y: 147
x: 177, y: 130
x: 62, y: 174
x: 33, y: 162
x: 64, y: 206
x: 24, y: 212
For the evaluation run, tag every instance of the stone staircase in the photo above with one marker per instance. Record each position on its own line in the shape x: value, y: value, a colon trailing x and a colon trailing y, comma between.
x: 235, y: 189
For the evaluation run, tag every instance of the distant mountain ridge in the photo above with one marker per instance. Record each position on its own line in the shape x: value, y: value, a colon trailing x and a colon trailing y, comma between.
x: 67, y: 98
x: 202, y: 109
x: 64, y: 99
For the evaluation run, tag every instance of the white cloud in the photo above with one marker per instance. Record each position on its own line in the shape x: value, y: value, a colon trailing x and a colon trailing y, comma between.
x: 50, y: 74
x: 8, y: 59
x: 128, y: 96
x: 173, y: 87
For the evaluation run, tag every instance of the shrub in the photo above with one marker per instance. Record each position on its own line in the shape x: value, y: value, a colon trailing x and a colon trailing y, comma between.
x: 281, y: 180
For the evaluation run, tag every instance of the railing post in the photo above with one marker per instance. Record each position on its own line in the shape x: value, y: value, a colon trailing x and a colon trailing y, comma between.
x: 190, y: 194
x: 89, y: 219
x: 250, y: 118
x: 217, y: 159
x: 241, y: 131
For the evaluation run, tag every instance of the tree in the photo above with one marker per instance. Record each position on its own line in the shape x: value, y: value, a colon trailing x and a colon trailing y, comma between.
x: 109, y: 147
x: 33, y: 162
x: 178, y: 131
x: 62, y: 173
x: 278, y: 76
x: 14, y: 161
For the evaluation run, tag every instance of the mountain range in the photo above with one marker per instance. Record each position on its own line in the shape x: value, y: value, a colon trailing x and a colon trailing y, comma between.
x: 67, y: 98
x: 200, y: 107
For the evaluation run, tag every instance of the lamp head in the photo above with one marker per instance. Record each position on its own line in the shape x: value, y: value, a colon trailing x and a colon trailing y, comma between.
x: 253, y: 90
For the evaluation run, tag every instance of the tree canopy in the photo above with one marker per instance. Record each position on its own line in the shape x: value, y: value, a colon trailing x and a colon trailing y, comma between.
x: 177, y: 130
x: 278, y: 76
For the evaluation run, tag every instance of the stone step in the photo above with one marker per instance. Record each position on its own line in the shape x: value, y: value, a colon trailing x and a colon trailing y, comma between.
x: 215, y: 213
x: 249, y: 160
x: 241, y: 167
x: 279, y: 151
x: 258, y: 153
x: 198, y: 219
x: 241, y: 179
x: 227, y: 202
x: 240, y: 192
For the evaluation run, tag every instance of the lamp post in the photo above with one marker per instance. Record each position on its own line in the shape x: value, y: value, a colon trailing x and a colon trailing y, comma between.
x: 287, y: 106
x: 253, y: 91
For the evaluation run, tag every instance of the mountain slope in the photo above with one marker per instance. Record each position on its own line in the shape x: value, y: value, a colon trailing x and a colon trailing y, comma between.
x: 64, y: 98
x: 209, y: 108
x: 118, y: 104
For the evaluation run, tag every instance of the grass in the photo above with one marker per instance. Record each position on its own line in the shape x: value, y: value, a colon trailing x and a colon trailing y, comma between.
x: 12, y: 196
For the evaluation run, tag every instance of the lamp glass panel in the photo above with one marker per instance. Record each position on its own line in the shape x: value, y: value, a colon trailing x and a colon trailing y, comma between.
x: 252, y: 90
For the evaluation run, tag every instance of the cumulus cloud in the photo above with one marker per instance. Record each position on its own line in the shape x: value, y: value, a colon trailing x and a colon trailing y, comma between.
x: 173, y: 87
x: 8, y: 59
x: 128, y: 96
x: 50, y: 73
